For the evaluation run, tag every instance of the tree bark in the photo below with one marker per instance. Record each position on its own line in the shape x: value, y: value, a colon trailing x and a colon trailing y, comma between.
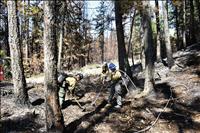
x: 27, y: 32
x: 122, y: 55
x: 148, y: 48
x: 19, y: 81
x: 198, y: 8
x: 130, y: 46
x: 60, y: 47
x: 142, y: 56
x: 192, y: 27
x: 54, y: 118
x: 158, y: 38
x: 184, y: 25
x: 167, y: 37
x: 88, y: 53
x: 102, y: 44
x: 61, y: 34
x: 177, y: 29
x: 7, y: 47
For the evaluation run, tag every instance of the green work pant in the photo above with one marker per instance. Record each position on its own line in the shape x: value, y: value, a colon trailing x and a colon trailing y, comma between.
x: 116, y: 90
x: 61, y: 95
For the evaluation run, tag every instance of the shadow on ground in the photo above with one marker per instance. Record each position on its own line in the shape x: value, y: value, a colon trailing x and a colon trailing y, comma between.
x: 90, y: 119
x: 38, y: 101
x: 24, y: 123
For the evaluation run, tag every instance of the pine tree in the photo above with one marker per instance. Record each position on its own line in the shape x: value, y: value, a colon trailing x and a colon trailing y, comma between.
x: 19, y: 81
x: 54, y: 118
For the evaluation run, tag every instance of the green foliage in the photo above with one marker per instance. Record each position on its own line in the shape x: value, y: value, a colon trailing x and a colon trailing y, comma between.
x: 171, y: 12
x: 2, y: 53
x: 102, y: 19
x: 126, y: 6
x: 76, y: 36
x: 153, y: 26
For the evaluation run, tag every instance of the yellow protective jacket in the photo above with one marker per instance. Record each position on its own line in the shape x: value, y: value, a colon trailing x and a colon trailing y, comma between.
x: 116, y: 75
x: 71, y: 81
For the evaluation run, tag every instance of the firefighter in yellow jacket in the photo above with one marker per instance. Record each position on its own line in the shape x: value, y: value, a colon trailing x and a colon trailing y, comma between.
x: 116, y: 88
x: 68, y: 84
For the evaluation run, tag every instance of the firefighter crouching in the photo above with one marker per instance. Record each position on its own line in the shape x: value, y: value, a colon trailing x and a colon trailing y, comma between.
x: 67, y: 83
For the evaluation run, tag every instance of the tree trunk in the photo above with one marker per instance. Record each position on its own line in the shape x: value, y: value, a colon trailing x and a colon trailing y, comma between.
x: 61, y: 35
x: 198, y: 8
x: 19, y: 81
x: 167, y: 37
x: 142, y: 56
x: 158, y: 38
x: 19, y: 24
x: 184, y: 24
x: 102, y: 44
x: 54, y: 118
x: 122, y: 55
x: 130, y: 46
x: 7, y: 47
x: 88, y: 54
x: 27, y: 33
x: 60, y: 46
x: 148, y: 48
x: 192, y: 27
x: 177, y: 29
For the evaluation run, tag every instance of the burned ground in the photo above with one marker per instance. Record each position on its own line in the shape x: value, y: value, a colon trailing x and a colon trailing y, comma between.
x: 176, y: 102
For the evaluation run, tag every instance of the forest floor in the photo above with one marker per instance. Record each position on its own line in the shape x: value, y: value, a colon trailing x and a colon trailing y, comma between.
x: 174, y: 108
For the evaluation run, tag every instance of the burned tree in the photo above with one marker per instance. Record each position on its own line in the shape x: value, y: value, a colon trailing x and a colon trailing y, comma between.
x: 54, y: 118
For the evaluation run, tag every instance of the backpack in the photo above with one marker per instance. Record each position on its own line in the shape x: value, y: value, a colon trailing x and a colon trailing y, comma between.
x: 61, y: 77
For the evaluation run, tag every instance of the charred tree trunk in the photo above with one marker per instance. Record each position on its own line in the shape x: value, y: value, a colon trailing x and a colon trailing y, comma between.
x: 158, y: 38
x: 148, y: 48
x: 54, y: 118
x: 167, y: 36
x: 19, y: 81
x: 122, y: 55
x: 7, y: 48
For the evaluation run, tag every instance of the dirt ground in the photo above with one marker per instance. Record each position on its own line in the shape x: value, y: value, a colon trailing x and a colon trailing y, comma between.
x: 174, y: 108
